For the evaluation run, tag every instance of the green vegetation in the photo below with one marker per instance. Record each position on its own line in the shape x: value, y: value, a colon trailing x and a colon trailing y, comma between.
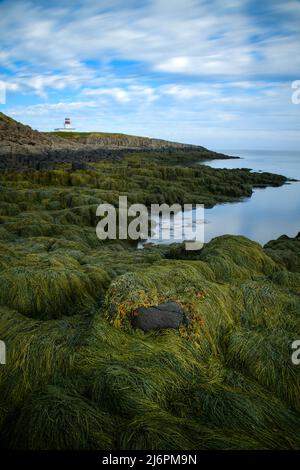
x: 76, y: 135
x: 78, y: 376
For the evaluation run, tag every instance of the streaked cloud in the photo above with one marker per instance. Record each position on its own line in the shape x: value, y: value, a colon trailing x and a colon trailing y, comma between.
x: 170, y: 69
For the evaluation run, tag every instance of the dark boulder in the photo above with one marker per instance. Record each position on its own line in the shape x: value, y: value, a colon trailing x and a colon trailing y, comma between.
x: 80, y: 166
x: 162, y: 316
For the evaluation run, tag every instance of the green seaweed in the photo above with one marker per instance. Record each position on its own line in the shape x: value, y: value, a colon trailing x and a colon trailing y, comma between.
x: 78, y: 376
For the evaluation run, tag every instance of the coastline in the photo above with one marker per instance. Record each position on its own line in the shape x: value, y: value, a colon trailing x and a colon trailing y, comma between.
x: 71, y: 311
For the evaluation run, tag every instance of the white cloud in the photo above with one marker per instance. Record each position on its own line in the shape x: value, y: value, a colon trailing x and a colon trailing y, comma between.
x: 176, y: 64
x: 187, y: 92
x: 47, y: 108
x: 161, y: 67
x: 187, y: 37
x: 117, y: 93
x: 125, y: 95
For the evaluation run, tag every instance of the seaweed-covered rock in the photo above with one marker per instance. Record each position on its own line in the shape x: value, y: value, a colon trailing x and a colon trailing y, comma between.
x: 285, y: 251
x: 162, y: 316
x: 67, y: 301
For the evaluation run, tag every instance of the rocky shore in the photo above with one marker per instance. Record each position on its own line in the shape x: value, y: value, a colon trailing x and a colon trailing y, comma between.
x: 22, y: 147
x: 111, y: 347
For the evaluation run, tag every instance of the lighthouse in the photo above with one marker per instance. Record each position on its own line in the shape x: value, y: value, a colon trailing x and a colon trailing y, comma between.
x: 67, y: 126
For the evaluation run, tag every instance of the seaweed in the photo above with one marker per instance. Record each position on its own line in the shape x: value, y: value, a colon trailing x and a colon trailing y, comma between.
x: 79, y: 376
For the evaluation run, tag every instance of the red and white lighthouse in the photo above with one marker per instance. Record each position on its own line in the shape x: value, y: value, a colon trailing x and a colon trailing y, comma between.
x: 67, y: 126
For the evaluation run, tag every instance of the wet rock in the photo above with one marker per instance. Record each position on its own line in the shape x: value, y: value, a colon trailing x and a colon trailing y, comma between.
x: 162, y: 316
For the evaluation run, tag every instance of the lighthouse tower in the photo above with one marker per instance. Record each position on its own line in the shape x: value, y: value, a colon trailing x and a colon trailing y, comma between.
x: 67, y: 126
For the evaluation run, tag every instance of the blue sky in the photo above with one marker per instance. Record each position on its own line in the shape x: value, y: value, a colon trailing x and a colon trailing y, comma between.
x: 210, y: 72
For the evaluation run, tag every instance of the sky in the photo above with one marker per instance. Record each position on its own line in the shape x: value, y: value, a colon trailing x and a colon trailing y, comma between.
x: 217, y: 73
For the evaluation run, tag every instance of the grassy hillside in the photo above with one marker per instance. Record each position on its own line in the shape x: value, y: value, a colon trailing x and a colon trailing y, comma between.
x: 111, y: 140
x: 77, y: 135
x: 78, y: 376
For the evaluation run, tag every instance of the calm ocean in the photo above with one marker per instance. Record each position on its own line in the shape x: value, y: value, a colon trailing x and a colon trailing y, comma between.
x: 269, y: 212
